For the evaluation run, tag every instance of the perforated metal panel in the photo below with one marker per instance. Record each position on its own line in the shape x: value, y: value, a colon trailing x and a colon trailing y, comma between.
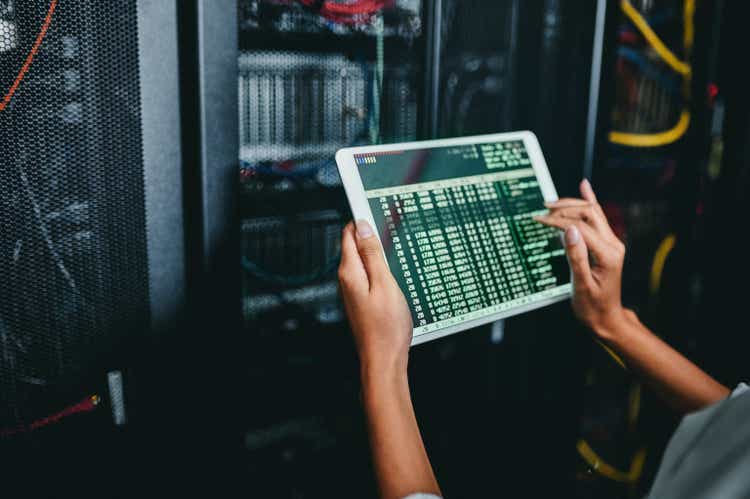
x: 73, y: 261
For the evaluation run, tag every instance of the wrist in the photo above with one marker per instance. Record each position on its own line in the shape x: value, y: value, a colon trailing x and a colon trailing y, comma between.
x: 379, y: 374
x: 613, y: 324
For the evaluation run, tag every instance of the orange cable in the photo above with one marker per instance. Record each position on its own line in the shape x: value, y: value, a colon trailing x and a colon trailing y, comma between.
x: 30, y: 57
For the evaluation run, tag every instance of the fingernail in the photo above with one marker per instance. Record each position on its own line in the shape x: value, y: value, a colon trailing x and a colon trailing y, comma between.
x: 585, y: 182
x: 363, y: 229
x: 572, y: 236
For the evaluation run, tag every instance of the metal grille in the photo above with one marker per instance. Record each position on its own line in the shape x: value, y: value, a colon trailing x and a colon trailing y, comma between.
x: 298, y: 104
x: 295, y: 105
x: 73, y: 263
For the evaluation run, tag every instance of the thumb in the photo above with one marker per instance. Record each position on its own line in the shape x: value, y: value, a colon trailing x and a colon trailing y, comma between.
x: 578, y: 257
x: 371, y: 252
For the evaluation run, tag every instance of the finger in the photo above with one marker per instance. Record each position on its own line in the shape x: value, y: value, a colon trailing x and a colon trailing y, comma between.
x: 566, y: 202
x: 371, y: 253
x: 578, y: 258
x: 352, y: 274
x: 594, y: 241
x: 587, y: 191
x: 588, y: 214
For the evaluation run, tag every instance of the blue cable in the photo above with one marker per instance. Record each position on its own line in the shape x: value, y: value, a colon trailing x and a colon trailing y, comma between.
x: 669, y: 81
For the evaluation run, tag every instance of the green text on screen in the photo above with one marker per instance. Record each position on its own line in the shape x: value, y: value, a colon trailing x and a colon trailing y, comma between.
x: 457, y: 229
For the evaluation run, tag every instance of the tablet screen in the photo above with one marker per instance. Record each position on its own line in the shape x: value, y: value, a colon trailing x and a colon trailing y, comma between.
x: 457, y: 230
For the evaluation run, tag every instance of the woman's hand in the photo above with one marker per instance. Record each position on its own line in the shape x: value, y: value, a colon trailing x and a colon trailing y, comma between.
x: 376, y: 307
x: 382, y: 327
x: 596, y: 257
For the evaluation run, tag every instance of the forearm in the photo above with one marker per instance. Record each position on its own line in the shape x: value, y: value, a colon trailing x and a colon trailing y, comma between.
x: 682, y: 384
x: 401, y: 463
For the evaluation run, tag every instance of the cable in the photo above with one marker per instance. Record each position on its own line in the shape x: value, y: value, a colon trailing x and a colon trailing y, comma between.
x: 358, y: 12
x: 600, y: 466
x: 45, y: 232
x: 290, y: 280
x: 86, y: 405
x: 634, y: 404
x: 653, y: 139
x: 689, y: 28
x: 30, y: 57
x: 653, y: 39
x: 660, y: 260
x: 667, y: 80
x: 670, y: 136
x: 612, y: 354
x: 47, y: 236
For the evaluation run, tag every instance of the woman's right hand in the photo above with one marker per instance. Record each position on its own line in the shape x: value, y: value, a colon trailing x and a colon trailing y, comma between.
x: 378, y: 313
x: 596, y: 258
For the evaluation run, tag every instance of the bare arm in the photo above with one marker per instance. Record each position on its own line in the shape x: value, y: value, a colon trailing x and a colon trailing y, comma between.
x: 401, y: 463
x: 679, y: 382
x: 596, y: 257
x: 382, y: 328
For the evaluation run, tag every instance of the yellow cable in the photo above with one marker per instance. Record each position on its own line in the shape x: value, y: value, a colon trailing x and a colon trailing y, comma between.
x: 689, y: 29
x: 653, y: 39
x: 660, y: 260
x: 675, y: 133
x: 634, y: 404
x: 636, y: 465
x: 653, y: 139
x: 612, y: 354
x: 597, y: 464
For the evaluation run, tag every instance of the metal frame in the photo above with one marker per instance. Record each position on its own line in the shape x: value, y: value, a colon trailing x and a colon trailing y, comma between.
x: 217, y: 74
x: 162, y: 161
x: 434, y: 45
x: 210, y: 137
x: 595, y: 82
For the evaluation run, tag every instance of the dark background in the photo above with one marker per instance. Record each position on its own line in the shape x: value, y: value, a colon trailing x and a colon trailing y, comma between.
x: 242, y: 379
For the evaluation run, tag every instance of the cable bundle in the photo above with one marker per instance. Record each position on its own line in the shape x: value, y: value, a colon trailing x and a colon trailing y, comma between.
x: 679, y: 67
x: 352, y: 13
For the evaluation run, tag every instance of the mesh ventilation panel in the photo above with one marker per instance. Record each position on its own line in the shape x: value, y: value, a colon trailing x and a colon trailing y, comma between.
x: 73, y: 263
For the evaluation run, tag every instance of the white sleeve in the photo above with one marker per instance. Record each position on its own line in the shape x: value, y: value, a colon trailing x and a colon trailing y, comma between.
x: 741, y: 388
x: 422, y: 496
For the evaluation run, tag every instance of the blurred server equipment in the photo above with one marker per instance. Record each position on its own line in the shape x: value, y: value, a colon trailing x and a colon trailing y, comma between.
x: 313, y: 77
x: 402, y: 17
x: 91, y: 242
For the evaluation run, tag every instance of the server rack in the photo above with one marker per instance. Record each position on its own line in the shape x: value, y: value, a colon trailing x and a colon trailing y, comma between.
x: 92, y: 243
x: 310, y: 82
x: 650, y: 162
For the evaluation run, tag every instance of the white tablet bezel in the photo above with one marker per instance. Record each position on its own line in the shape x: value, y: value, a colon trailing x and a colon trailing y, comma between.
x: 360, y: 207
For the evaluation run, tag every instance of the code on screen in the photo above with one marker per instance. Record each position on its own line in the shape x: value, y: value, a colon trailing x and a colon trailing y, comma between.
x: 458, y: 233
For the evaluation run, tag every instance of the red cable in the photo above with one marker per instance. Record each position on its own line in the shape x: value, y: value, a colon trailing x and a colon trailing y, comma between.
x: 86, y: 405
x: 351, y: 13
x: 362, y: 7
x: 30, y: 57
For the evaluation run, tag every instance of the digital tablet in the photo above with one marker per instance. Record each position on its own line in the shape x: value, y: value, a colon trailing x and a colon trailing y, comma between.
x: 455, y: 220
